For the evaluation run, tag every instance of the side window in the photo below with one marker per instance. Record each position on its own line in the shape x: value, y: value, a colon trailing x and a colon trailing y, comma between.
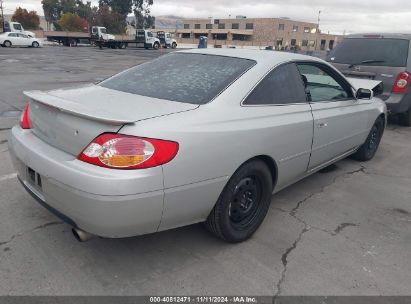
x: 321, y: 85
x: 282, y: 86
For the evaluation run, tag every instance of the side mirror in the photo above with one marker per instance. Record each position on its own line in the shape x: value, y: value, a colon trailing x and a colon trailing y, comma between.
x: 364, y: 94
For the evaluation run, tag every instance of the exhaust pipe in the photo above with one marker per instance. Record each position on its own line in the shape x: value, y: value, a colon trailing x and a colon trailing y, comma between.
x: 81, y: 235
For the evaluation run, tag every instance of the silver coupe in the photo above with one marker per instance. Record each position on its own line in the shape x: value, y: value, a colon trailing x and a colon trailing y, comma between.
x: 193, y: 136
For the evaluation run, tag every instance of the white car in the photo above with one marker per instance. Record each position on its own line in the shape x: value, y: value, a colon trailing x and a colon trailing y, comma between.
x: 18, y: 39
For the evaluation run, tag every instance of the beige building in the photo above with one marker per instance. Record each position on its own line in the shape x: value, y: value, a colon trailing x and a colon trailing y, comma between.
x: 280, y: 33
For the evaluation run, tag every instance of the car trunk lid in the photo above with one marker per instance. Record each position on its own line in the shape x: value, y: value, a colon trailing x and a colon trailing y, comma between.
x: 70, y: 119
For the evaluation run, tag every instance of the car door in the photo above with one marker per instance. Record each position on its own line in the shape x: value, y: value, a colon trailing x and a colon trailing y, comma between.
x: 284, y: 117
x: 340, y: 120
x: 24, y: 40
x: 13, y: 38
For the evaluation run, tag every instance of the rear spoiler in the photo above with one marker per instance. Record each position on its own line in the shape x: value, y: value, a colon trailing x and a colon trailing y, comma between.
x: 78, y: 109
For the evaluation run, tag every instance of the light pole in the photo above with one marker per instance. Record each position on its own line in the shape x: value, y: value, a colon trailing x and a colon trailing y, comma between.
x: 2, y: 14
x: 317, y: 31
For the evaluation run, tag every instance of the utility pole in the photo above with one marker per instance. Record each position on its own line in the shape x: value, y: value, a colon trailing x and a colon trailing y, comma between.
x: 2, y: 14
x: 317, y: 32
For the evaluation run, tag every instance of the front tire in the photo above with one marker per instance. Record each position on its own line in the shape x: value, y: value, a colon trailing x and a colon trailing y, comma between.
x: 243, y: 204
x: 367, y: 151
x: 405, y: 118
x: 174, y: 45
x: 156, y: 46
x: 35, y: 44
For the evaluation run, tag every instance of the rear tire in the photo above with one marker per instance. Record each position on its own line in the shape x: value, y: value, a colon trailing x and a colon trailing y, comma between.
x: 405, y: 118
x: 243, y: 204
x: 7, y: 44
x: 367, y: 151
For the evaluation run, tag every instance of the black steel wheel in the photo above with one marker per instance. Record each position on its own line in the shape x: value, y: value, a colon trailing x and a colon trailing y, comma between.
x: 367, y: 151
x: 243, y: 204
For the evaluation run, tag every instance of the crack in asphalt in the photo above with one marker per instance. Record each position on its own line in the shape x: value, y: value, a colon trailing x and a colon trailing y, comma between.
x: 307, y: 227
x: 5, y: 129
x: 3, y: 141
x: 13, y: 237
x: 386, y: 175
x: 335, y: 179
x: 342, y: 226
x: 284, y: 261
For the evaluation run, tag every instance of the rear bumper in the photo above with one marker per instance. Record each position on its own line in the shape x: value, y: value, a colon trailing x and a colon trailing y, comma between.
x: 398, y: 103
x: 108, y: 203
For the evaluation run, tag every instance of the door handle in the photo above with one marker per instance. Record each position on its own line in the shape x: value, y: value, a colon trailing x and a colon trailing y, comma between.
x: 322, y: 124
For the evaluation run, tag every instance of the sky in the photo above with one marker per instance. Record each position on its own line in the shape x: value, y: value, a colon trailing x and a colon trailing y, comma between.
x: 337, y: 16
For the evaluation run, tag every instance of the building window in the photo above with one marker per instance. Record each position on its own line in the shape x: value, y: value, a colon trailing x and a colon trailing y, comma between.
x: 186, y: 26
x: 221, y: 26
x: 209, y: 26
x: 220, y: 36
x: 281, y: 27
x: 235, y: 26
x: 216, y: 21
x: 305, y: 43
x: 306, y: 29
x: 312, y: 43
x: 295, y: 28
x: 293, y: 42
x: 197, y: 26
x: 323, y: 44
x: 185, y: 35
x: 280, y: 42
x: 198, y: 35
x: 249, y: 26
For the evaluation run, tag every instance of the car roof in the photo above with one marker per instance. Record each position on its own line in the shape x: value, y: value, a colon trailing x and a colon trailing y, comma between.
x: 271, y: 58
x: 381, y: 35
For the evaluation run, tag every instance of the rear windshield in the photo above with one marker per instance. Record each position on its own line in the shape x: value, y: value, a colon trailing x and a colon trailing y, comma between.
x: 181, y: 77
x: 371, y: 51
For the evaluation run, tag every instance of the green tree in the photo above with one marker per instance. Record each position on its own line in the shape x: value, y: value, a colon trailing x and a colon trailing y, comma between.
x: 142, y: 10
x: 85, y: 10
x: 113, y: 21
x: 122, y: 7
x: 29, y: 20
x: 52, y: 10
x: 73, y: 23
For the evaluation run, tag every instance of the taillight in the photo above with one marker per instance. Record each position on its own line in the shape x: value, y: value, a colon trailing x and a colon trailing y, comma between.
x: 126, y: 152
x: 402, y: 83
x: 24, y: 119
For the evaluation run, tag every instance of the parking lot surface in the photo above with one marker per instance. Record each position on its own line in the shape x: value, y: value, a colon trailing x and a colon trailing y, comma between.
x: 343, y: 231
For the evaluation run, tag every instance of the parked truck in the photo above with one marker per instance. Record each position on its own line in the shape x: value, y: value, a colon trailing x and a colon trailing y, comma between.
x: 16, y: 27
x: 98, y: 36
x: 166, y: 40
